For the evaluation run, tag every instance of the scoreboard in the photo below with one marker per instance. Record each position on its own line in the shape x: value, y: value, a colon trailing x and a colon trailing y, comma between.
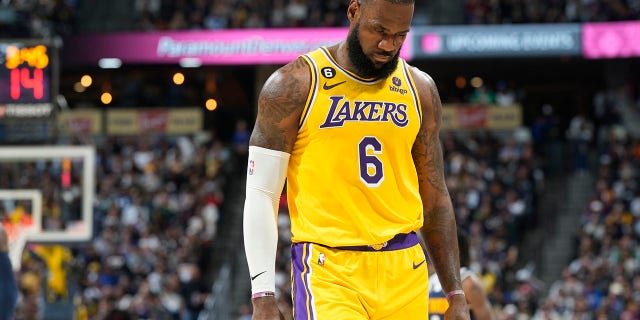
x: 28, y: 89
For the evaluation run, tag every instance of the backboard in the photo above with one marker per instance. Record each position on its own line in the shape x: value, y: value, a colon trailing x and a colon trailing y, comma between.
x: 59, y: 181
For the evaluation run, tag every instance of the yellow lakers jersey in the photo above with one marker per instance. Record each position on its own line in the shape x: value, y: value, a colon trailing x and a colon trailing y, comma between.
x: 351, y: 178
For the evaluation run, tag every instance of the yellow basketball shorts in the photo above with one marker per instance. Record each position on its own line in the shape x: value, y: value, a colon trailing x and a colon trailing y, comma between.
x: 387, y: 281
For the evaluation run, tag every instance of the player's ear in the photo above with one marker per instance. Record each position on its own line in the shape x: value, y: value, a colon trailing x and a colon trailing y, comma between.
x: 354, y: 7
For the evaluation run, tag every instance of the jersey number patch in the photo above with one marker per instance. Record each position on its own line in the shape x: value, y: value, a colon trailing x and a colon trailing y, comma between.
x: 371, y: 171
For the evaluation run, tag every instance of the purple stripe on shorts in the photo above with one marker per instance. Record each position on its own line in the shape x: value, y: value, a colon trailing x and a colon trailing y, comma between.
x: 399, y: 242
x: 301, y: 291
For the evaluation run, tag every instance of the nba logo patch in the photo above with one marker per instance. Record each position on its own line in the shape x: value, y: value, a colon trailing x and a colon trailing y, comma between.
x: 252, y: 168
x: 321, y: 259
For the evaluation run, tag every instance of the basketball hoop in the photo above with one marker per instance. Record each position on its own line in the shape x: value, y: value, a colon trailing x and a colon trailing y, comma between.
x: 17, y: 235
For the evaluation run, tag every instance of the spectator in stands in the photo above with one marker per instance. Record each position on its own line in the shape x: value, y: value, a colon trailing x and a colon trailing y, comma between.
x: 505, y: 94
x: 580, y: 135
x: 483, y: 95
x: 240, y: 138
x: 547, y: 138
x: 56, y: 258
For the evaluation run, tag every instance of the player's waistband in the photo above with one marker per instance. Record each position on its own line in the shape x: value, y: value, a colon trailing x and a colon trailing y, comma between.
x: 398, y: 242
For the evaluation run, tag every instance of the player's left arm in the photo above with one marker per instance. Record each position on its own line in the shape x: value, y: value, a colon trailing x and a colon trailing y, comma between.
x: 477, y: 298
x: 439, y: 229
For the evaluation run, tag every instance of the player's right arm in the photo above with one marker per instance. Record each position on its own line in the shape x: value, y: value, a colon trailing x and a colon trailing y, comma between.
x: 477, y: 299
x: 280, y: 105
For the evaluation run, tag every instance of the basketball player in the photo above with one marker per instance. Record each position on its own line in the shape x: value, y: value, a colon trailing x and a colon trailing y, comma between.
x: 8, y: 286
x: 474, y: 292
x: 354, y: 130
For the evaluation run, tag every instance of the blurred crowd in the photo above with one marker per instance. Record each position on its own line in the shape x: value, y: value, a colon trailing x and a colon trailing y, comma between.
x: 554, y: 11
x: 156, y: 214
x: 35, y: 18
x: 24, y: 18
x: 603, y: 280
x: 222, y: 14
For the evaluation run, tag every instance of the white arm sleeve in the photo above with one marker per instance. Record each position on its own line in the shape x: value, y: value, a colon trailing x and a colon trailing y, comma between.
x: 266, y: 173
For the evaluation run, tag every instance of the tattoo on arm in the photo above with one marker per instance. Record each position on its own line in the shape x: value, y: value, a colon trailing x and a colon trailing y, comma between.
x: 438, y: 230
x: 434, y: 156
x: 442, y: 246
x: 437, y: 221
x: 279, y: 106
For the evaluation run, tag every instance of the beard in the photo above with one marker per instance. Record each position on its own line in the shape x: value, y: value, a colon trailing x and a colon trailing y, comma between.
x: 363, y: 65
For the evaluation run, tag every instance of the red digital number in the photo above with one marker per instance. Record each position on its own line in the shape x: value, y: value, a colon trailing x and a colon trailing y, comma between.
x: 21, y: 78
x: 15, y: 84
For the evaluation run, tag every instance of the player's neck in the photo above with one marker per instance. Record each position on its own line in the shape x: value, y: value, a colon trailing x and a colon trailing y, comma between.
x: 340, y: 52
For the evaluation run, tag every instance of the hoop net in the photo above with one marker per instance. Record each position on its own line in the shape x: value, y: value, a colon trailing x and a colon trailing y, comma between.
x: 17, y: 235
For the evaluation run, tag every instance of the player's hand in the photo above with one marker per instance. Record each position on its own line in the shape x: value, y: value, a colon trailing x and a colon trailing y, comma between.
x: 266, y: 308
x: 458, y: 309
x: 4, y: 243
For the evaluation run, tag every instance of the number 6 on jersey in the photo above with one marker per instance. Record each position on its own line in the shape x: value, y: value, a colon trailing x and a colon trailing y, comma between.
x: 371, y: 171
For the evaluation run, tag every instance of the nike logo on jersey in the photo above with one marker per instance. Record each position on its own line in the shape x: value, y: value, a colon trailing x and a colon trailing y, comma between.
x: 415, y: 266
x: 331, y: 86
x: 257, y: 275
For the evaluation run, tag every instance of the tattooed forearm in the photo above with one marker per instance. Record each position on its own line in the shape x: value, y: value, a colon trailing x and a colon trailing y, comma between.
x: 439, y: 234
x: 281, y: 100
x: 438, y: 222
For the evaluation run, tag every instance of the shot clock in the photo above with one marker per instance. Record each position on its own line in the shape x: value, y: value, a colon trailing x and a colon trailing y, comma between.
x: 25, y: 74
x: 26, y: 67
x: 26, y: 78
x: 28, y: 88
